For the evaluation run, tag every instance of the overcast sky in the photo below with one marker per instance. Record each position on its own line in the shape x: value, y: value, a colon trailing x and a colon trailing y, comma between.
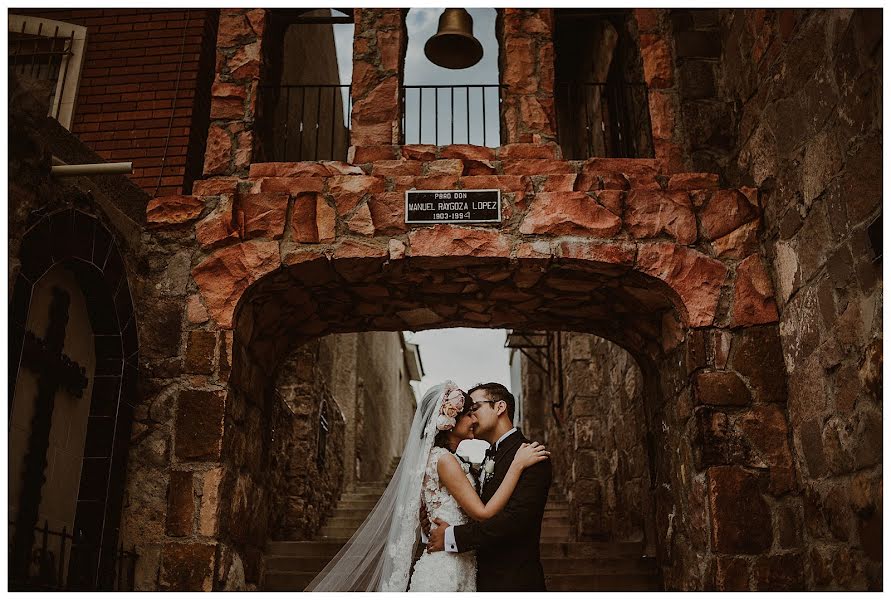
x: 467, y: 357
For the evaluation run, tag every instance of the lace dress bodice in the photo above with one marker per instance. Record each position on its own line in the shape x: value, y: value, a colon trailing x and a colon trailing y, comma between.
x: 443, y: 571
x: 439, y: 502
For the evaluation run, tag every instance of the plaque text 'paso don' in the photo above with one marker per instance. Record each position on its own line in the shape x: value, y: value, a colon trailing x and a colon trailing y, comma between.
x: 453, y: 206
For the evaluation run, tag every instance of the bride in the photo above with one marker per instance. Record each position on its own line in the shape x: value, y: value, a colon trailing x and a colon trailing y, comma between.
x: 379, y: 556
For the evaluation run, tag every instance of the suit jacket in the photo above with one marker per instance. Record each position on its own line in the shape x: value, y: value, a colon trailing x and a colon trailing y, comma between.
x: 507, y: 545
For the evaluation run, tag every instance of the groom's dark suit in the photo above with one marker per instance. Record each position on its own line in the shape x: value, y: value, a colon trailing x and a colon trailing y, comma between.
x: 506, y: 545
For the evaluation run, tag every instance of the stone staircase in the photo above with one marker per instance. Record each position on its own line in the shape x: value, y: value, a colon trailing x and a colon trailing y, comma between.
x: 568, y: 565
x: 572, y: 566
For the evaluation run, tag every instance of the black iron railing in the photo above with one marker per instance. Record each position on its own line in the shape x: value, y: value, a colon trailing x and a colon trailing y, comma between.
x: 451, y: 114
x: 610, y: 120
x: 308, y: 122
x: 62, y: 561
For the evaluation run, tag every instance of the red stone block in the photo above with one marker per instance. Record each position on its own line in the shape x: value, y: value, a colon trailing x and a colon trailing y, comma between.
x: 365, y: 154
x: 433, y: 182
x: 390, y: 44
x: 244, y: 64
x: 525, y: 151
x: 569, y: 213
x: 215, y: 186
x: 724, y: 212
x: 721, y: 388
x: 537, y: 114
x: 649, y: 213
x: 388, y: 212
x: 419, y: 152
x: 450, y: 166
x: 448, y: 240
x: 657, y: 63
x: 219, y: 226
x: 696, y: 278
x: 365, y: 76
x: 693, y: 181
x: 559, y: 183
x: 224, y: 276
x: 338, y: 167
x: 291, y: 185
x: 519, y: 59
x: 380, y: 104
x: 505, y: 183
x: 383, y: 168
x: 753, y: 295
x: 348, y: 190
x: 739, y: 243
x: 610, y: 200
x: 233, y: 29
x: 647, y: 19
x: 218, y: 154
x: 468, y: 152
x: 614, y: 253
x: 627, y: 166
x: 264, y: 214
x: 288, y: 169
x: 172, y: 210
x: 479, y: 167
x: 361, y: 223
x: 537, y: 167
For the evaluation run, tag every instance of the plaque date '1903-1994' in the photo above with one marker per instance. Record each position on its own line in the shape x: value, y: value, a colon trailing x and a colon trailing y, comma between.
x: 453, y: 206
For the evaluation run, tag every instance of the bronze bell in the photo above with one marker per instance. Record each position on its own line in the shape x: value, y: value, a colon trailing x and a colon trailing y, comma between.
x: 454, y: 46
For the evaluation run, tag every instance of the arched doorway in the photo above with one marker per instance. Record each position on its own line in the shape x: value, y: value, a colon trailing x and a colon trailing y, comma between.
x: 73, y: 376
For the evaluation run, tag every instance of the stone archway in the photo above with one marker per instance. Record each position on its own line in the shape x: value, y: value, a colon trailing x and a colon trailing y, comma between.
x: 656, y: 266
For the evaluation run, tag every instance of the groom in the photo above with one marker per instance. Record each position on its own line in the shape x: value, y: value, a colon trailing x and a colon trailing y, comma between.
x: 507, y: 544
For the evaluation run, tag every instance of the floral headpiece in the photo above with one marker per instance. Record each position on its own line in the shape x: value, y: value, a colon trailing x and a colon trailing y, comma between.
x: 451, y: 405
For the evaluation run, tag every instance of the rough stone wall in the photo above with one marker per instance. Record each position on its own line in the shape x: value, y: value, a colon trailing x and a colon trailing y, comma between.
x: 303, y: 495
x: 599, y: 444
x: 387, y: 400
x: 790, y: 101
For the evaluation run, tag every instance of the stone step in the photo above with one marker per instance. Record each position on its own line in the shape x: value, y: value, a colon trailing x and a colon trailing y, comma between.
x: 336, y: 533
x: 620, y: 582
x: 602, y: 583
x: 345, y: 521
x: 555, y: 531
x: 568, y: 549
x: 366, y: 489
x: 550, y: 521
x: 286, y: 582
x: 554, y: 513
x: 304, y: 549
x: 296, y: 564
x: 351, y: 497
x: 362, y: 505
x: 582, y: 566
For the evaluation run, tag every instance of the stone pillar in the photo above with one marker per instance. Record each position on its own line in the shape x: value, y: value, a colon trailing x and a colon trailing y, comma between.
x: 526, y: 67
x: 230, y: 138
x: 378, y: 56
x: 658, y: 67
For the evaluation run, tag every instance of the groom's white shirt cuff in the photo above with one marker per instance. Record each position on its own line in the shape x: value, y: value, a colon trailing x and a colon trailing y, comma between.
x: 450, y: 545
x: 424, y: 537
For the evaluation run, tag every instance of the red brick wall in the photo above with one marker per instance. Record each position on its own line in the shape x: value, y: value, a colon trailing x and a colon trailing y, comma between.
x: 145, y: 90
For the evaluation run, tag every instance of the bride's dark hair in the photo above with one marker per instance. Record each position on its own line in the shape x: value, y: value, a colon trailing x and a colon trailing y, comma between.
x: 442, y: 437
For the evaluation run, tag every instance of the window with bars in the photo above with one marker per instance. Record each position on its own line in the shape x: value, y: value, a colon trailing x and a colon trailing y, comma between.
x: 324, y: 428
x: 48, y: 57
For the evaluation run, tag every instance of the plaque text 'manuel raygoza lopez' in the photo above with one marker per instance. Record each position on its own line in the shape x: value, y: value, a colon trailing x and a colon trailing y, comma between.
x: 453, y: 206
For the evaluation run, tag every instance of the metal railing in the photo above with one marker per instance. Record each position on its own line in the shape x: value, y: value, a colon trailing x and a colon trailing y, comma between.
x: 62, y: 561
x: 455, y: 114
x: 308, y: 122
x: 42, y: 57
x: 609, y: 120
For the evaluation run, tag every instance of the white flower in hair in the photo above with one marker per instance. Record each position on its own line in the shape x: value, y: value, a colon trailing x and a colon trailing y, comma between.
x: 445, y: 422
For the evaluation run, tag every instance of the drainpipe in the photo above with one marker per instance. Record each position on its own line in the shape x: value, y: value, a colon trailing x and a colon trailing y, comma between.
x: 62, y: 169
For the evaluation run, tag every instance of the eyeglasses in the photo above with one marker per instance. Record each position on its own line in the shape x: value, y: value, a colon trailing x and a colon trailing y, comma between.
x: 478, y: 405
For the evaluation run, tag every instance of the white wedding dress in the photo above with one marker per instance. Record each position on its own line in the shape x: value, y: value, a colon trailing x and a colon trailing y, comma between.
x: 443, y: 571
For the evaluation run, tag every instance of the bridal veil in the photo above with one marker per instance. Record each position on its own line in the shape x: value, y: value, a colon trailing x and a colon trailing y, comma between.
x: 378, y: 556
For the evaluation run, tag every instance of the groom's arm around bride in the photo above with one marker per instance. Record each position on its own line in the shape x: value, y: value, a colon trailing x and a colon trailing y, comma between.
x: 507, y: 544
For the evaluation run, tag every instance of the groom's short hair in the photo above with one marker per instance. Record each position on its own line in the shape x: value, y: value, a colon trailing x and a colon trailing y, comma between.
x: 497, y: 393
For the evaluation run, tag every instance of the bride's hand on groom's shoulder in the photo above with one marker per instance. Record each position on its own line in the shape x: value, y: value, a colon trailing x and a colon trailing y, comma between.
x: 530, y: 454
